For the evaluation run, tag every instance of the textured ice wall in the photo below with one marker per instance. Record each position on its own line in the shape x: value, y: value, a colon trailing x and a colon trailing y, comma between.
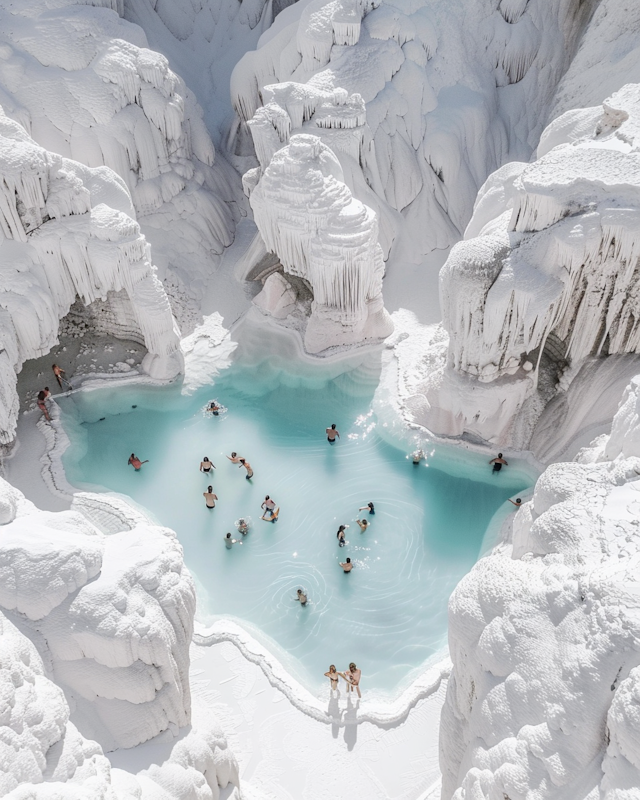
x: 84, y: 84
x: 67, y: 231
x: 544, y: 635
x: 322, y: 234
x: 549, y: 267
x: 111, y: 617
x: 420, y: 101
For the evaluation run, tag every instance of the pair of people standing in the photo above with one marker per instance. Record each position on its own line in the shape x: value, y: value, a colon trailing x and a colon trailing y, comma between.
x: 352, y: 677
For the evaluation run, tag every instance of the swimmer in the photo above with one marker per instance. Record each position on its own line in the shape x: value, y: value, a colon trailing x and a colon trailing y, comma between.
x: 302, y: 597
x: 42, y: 405
x: 498, y: 462
x: 214, y: 408
x: 244, y: 463
x: 242, y: 525
x: 59, y: 373
x: 352, y: 677
x: 370, y: 507
x: 209, y: 497
x: 229, y: 542
x: 517, y: 502
x: 333, y: 677
x: 347, y: 566
x: 416, y: 456
x: 135, y: 461
x: 206, y: 465
x: 363, y: 523
x: 234, y: 458
x: 332, y: 432
x: 268, y: 505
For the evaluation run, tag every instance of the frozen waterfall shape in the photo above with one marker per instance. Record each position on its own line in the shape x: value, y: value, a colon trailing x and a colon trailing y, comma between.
x: 323, y: 235
x: 549, y: 273
x: 60, y: 241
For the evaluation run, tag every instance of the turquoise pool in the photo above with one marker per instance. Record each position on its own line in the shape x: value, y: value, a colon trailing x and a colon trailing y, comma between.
x: 390, y: 614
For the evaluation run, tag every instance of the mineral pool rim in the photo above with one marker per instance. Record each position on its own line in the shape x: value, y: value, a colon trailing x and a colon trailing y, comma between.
x: 390, y: 614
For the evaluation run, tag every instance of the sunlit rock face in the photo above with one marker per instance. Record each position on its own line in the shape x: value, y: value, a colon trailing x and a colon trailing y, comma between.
x: 545, y: 639
x: 420, y: 101
x: 323, y: 235
x: 548, y: 269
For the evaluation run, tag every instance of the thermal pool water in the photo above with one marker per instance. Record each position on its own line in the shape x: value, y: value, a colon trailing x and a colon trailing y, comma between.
x: 390, y: 614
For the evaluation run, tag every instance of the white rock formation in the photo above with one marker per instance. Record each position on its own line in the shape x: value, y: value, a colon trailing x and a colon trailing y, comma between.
x: 549, y: 269
x: 420, y: 101
x: 322, y: 234
x: 111, y: 617
x: 545, y: 639
x: 69, y: 231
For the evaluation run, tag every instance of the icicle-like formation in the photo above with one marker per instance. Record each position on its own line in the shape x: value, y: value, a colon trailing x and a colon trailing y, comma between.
x: 320, y: 232
x: 561, y: 271
x: 435, y: 122
x: 61, y: 242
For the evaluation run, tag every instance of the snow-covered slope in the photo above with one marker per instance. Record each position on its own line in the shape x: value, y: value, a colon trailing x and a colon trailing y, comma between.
x: 111, y: 618
x: 545, y: 639
x: 450, y: 91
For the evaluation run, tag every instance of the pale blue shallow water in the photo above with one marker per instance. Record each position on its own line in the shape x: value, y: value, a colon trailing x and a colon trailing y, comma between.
x: 390, y: 614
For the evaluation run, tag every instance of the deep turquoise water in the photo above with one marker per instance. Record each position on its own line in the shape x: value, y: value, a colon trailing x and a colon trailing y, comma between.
x: 390, y: 614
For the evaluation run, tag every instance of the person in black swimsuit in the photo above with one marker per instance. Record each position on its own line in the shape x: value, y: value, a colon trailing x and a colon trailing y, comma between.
x: 206, y: 465
x: 498, y: 462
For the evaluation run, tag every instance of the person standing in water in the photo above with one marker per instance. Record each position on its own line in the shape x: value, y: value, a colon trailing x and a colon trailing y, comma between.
x: 269, y: 506
x: 209, y: 497
x: 332, y: 432
x: 363, y: 523
x: 301, y: 597
x: 229, y: 542
x: 244, y: 463
x: 234, y: 458
x: 59, y: 373
x: 43, y: 406
x: 340, y: 535
x: 498, y: 462
x: 347, y: 566
x: 369, y: 507
x: 135, y: 461
x: 206, y: 465
x: 352, y: 677
x: 243, y: 526
x: 333, y: 677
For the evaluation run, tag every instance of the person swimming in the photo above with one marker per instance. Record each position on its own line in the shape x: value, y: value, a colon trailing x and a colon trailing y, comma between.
x: 498, y: 462
x: 135, y: 461
x: 332, y: 432
x: 209, y: 497
x: 370, y: 507
x: 206, y: 465
x: 242, y: 525
x: 517, y: 502
x: 214, y: 408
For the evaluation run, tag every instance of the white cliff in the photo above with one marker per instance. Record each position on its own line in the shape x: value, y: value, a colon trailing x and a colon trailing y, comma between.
x: 547, y: 275
x: 111, y: 618
x: 545, y: 639
x: 419, y: 101
x: 323, y: 235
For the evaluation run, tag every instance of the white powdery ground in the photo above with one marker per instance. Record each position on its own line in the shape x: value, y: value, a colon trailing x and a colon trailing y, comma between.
x: 544, y: 699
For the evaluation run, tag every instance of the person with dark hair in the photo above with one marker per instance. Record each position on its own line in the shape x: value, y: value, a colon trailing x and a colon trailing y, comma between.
x: 363, y: 523
x: 229, y: 542
x: 352, y: 677
x: 206, y: 465
x: 244, y: 463
x: 301, y: 597
x: 517, y: 502
x: 43, y: 406
x: 59, y: 373
x: 370, y: 507
x: 340, y: 535
x: 234, y: 458
x: 347, y: 566
x: 498, y: 462
x: 332, y: 432
x: 209, y: 497
x: 135, y: 461
x: 269, y: 507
